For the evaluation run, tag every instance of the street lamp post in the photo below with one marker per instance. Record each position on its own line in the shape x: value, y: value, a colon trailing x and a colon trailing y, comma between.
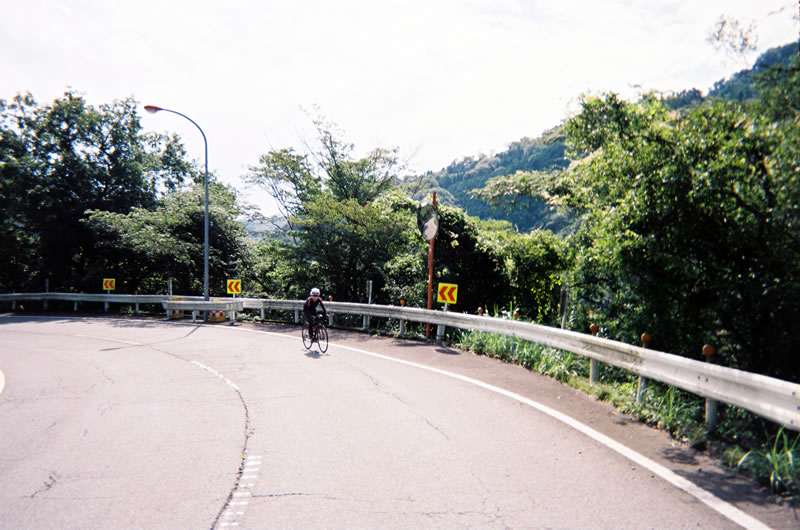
x: 152, y: 109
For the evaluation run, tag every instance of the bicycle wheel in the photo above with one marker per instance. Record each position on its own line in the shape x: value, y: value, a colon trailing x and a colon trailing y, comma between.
x: 322, y: 338
x: 307, y: 339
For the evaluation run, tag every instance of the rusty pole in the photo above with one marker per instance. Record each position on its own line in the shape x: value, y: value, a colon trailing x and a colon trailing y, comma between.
x: 430, y: 275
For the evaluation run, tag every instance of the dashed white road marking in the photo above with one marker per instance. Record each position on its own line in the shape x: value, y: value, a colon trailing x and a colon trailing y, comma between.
x: 211, y: 370
x: 234, y: 510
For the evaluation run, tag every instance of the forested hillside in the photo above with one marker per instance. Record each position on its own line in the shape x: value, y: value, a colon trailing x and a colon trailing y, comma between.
x: 457, y: 180
x: 686, y: 220
x: 548, y: 152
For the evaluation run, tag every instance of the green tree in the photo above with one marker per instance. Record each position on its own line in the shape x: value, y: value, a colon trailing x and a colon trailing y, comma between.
x: 275, y: 271
x: 293, y: 179
x: 288, y: 177
x: 689, y: 222
x: 148, y: 246
x: 466, y: 255
x: 536, y: 264
x: 58, y: 160
x: 344, y: 244
x: 349, y: 225
x: 362, y: 180
x: 342, y: 233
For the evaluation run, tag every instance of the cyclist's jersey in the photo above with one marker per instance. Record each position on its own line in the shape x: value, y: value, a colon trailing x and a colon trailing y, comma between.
x: 310, y: 307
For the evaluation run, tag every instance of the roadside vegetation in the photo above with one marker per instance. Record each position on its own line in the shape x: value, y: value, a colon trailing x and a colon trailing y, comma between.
x: 741, y: 441
x: 677, y: 214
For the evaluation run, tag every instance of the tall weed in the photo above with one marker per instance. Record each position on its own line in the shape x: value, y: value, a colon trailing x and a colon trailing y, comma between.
x: 780, y: 462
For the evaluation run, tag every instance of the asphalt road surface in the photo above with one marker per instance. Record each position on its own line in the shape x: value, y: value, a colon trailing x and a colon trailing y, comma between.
x: 127, y: 423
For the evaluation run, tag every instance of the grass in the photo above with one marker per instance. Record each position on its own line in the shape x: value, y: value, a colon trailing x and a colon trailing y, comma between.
x: 778, y: 461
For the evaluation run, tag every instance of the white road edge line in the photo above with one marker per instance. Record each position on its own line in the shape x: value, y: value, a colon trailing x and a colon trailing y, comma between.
x: 724, y: 508
x: 108, y: 339
x: 2, y: 381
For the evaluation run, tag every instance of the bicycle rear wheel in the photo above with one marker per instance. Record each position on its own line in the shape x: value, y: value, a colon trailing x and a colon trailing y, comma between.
x: 322, y: 338
x: 307, y: 339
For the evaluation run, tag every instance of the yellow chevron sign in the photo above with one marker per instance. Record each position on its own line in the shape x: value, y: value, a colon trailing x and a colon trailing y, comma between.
x: 234, y: 286
x: 448, y: 293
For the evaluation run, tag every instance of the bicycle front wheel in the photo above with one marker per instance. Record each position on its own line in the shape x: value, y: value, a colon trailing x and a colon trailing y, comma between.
x: 322, y: 339
x: 307, y: 339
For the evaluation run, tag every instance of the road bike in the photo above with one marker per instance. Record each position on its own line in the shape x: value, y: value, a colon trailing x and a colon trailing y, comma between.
x: 318, y: 334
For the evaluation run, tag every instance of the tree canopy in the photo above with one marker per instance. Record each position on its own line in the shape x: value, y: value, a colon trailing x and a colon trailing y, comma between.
x: 688, y: 221
x: 351, y: 221
x: 85, y: 194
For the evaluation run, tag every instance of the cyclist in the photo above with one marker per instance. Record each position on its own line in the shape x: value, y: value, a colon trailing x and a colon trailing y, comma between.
x: 310, y: 309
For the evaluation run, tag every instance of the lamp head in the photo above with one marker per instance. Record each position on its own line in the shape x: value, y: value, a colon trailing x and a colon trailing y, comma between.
x: 152, y: 109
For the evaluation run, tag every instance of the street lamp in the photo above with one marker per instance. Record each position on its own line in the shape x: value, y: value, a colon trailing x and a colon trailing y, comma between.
x: 152, y: 109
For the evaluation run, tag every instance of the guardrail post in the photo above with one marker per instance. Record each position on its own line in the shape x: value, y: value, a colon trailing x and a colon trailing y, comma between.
x: 711, y: 404
x: 296, y: 316
x: 640, y: 389
x: 440, y: 329
x: 594, y: 373
x: 642, y: 380
x: 402, y: 322
x: 330, y: 314
x: 369, y: 301
x: 47, y: 290
x: 13, y: 305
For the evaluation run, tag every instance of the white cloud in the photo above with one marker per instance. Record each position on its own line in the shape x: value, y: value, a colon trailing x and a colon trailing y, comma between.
x: 438, y: 79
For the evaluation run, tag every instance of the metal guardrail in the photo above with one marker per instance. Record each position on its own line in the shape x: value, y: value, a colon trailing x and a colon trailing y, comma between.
x: 201, y: 305
x: 231, y: 306
x: 90, y: 297
x: 768, y: 397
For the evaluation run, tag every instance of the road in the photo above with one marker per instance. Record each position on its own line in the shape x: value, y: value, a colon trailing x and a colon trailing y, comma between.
x: 126, y: 423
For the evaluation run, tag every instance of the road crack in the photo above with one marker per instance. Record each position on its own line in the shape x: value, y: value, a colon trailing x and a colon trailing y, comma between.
x: 290, y: 494
x: 48, y: 484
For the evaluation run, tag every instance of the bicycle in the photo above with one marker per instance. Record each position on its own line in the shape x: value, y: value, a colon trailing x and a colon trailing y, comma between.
x: 319, y: 334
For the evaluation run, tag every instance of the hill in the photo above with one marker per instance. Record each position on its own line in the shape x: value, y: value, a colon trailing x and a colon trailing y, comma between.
x: 548, y: 152
x: 454, y: 182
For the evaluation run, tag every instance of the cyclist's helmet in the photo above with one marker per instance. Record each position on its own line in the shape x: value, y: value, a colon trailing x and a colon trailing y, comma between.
x: 314, y: 292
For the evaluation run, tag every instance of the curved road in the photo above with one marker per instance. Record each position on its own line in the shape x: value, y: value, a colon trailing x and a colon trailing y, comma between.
x: 117, y: 423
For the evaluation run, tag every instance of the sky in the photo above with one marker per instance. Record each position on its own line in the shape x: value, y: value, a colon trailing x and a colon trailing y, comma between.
x: 437, y: 79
